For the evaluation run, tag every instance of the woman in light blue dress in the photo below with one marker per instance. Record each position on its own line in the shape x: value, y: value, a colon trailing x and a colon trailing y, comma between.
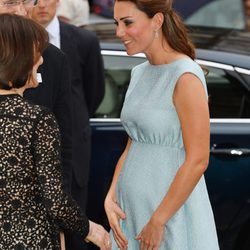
x: 158, y: 197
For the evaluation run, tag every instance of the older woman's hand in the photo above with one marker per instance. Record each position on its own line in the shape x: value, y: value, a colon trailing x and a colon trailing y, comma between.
x: 99, y: 236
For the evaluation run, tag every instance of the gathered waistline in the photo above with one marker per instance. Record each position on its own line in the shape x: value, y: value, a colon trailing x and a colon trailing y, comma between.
x: 155, y: 144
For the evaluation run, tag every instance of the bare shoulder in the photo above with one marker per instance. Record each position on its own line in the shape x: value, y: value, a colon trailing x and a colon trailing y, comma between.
x: 189, y: 82
x: 189, y: 89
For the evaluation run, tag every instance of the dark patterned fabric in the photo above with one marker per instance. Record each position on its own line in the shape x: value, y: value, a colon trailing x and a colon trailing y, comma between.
x: 33, y: 207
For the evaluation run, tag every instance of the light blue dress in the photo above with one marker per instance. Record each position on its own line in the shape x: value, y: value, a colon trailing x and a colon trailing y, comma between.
x: 156, y: 153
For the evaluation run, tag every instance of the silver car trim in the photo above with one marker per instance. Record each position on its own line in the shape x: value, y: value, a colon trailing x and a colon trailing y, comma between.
x: 240, y: 120
x: 120, y: 53
x: 141, y: 55
x: 105, y: 120
x: 242, y: 71
x: 215, y: 65
x: 211, y: 120
x: 203, y: 62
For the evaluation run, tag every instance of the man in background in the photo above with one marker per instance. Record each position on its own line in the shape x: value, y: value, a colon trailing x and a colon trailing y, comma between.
x: 75, y: 12
x: 87, y: 79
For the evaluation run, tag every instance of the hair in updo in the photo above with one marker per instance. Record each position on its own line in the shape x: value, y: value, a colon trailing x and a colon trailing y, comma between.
x: 173, y: 28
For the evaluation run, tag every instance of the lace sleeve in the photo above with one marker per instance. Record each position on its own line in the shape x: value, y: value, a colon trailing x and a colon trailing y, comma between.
x: 62, y: 208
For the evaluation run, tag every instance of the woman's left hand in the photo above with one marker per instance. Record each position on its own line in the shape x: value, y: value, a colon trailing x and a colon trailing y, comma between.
x: 151, y: 236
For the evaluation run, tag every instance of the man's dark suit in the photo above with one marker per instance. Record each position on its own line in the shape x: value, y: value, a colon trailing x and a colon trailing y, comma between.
x: 54, y: 93
x: 87, y: 80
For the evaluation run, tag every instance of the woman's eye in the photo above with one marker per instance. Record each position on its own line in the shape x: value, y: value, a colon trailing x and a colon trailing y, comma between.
x: 128, y: 22
x: 116, y: 23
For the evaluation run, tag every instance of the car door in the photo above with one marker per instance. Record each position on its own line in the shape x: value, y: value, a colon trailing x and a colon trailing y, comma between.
x: 228, y: 173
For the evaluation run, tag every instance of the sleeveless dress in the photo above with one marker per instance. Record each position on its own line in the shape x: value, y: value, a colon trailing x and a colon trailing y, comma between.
x: 155, y: 155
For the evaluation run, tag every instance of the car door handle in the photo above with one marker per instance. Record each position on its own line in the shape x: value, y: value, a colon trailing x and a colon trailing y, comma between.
x: 230, y: 151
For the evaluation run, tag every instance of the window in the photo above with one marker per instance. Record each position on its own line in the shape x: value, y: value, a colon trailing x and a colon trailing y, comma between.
x: 228, y: 98
x: 117, y: 77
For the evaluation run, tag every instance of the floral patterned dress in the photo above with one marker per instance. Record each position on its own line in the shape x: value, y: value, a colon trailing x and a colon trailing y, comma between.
x: 33, y: 206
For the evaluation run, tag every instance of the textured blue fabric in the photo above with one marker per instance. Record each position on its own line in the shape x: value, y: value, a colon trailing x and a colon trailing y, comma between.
x: 156, y: 153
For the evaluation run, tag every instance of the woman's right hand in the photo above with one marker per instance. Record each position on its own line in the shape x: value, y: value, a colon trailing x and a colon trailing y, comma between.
x: 99, y: 236
x: 114, y: 214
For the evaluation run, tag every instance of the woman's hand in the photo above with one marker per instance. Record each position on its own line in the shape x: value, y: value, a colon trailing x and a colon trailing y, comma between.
x: 151, y: 235
x: 99, y: 236
x: 114, y: 214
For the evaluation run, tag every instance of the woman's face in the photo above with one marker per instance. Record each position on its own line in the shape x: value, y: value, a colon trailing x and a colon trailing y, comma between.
x: 32, y: 82
x: 134, y: 28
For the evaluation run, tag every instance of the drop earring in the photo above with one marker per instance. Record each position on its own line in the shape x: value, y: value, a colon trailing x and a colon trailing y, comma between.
x: 156, y: 34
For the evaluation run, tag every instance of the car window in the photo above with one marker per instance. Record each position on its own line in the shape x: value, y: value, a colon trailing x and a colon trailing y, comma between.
x: 117, y: 77
x: 228, y: 98
x: 219, y: 14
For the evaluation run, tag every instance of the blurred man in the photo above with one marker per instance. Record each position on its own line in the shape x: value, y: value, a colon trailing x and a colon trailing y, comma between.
x: 54, y: 91
x: 75, y: 12
x: 87, y: 79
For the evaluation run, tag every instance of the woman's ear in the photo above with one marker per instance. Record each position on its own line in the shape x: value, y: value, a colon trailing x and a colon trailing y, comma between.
x: 158, y: 20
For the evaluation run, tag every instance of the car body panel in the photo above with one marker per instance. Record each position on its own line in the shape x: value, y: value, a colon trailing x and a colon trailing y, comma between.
x: 227, y: 176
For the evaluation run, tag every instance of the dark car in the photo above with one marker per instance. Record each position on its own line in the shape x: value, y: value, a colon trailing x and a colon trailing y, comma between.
x: 203, y: 12
x: 225, y: 54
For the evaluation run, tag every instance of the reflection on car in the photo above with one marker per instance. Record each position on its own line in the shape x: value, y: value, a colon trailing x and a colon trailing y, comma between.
x: 225, y: 54
x: 212, y: 13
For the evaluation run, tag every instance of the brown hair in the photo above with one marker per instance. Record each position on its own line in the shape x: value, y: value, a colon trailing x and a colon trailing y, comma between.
x: 173, y: 28
x: 22, y: 41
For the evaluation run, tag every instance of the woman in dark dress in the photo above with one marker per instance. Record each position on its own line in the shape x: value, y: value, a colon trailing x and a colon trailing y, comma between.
x: 33, y: 206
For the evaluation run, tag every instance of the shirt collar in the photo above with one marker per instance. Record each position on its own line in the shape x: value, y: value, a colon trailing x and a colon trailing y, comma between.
x: 53, y: 29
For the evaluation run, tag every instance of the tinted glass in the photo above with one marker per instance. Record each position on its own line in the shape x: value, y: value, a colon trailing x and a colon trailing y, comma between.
x: 228, y: 98
x: 117, y: 77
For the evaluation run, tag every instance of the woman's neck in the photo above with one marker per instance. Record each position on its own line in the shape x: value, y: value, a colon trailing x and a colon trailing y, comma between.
x: 12, y: 91
x: 161, y: 53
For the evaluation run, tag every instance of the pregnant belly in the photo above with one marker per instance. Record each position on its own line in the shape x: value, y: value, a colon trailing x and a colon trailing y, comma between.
x: 148, y: 171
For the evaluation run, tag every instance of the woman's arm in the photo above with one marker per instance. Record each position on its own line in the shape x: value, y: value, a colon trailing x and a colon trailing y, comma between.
x: 59, y: 206
x: 191, y: 104
x: 47, y: 160
x: 192, y: 108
